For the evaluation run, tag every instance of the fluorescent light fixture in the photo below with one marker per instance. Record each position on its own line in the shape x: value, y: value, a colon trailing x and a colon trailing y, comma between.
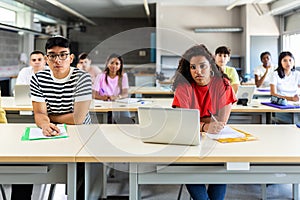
x: 218, y: 30
x: 237, y: 2
x: 283, y: 6
x: 146, y: 6
x: 42, y: 18
x: 21, y: 30
x: 71, y: 11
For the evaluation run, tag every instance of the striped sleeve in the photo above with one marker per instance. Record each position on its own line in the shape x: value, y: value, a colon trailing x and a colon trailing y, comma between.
x: 83, y: 90
x: 35, y: 91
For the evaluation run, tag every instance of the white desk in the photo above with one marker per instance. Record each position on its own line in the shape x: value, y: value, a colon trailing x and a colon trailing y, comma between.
x: 46, y: 161
x: 239, y: 113
x: 273, y: 158
x: 162, y: 91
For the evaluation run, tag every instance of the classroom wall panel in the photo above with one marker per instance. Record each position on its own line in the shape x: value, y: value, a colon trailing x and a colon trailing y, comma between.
x: 292, y: 23
x: 109, y: 30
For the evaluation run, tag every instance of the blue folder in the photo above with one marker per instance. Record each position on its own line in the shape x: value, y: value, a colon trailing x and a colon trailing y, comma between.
x: 289, y: 106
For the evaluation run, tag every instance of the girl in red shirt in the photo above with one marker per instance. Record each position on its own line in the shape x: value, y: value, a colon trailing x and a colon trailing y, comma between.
x: 200, y: 84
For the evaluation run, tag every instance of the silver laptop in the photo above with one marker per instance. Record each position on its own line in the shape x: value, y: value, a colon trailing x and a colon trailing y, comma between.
x: 169, y: 126
x: 246, y: 92
x: 22, y: 95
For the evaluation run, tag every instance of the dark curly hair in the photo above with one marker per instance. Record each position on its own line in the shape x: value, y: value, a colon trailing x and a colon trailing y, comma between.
x: 183, y: 73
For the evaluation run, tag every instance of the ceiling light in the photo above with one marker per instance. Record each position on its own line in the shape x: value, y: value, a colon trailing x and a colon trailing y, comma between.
x: 218, y: 30
x: 70, y: 10
x: 146, y: 6
x: 284, y: 6
x: 21, y: 31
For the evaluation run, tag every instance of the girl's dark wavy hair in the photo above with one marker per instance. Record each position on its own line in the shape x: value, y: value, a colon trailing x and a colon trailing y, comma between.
x: 183, y: 73
x: 280, y: 69
x: 119, y: 72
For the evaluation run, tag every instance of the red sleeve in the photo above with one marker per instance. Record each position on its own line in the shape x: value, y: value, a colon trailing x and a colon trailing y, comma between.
x: 182, y: 96
x: 228, y: 95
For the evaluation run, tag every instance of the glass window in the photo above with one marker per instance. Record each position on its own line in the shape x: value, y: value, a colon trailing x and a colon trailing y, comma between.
x: 291, y: 43
x: 7, y: 16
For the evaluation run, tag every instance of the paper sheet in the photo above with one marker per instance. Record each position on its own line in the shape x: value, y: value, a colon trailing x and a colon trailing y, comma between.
x: 227, y: 132
x: 36, y: 133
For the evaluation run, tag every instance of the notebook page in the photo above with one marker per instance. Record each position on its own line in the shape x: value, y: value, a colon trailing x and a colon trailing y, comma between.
x: 226, y: 132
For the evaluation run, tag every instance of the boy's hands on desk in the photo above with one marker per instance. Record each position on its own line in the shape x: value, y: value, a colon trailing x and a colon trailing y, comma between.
x: 50, y: 129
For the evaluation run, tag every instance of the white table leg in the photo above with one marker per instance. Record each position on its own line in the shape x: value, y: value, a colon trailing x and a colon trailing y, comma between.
x: 296, y: 191
x: 71, y: 181
x: 263, y: 191
x: 134, y: 192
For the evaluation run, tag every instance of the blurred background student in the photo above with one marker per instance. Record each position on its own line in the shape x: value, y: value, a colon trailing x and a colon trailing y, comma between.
x: 37, y: 63
x: 85, y: 63
x: 285, y: 80
x: 284, y: 83
x: 113, y: 84
x: 222, y: 57
x: 263, y: 72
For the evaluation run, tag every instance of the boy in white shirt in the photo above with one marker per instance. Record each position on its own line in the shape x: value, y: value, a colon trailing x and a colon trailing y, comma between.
x: 37, y: 63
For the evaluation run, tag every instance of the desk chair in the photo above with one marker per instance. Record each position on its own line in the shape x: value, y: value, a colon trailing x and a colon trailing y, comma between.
x: 3, y: 192
x: 51, y: 191
x: 180, y: 192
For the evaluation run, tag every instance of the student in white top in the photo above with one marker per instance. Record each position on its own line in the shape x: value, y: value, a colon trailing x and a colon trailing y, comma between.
x: 37, y: 63
x: 285, y: 80
x: 262, y: 73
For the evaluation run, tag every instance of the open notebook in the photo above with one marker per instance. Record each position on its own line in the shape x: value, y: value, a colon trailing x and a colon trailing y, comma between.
x: 230, y: 134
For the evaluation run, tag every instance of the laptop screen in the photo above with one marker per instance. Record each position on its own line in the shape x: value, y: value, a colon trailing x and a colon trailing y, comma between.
x: 169, y: 126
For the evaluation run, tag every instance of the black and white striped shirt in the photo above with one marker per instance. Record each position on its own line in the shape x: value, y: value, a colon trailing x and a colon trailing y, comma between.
x: 60, y: 94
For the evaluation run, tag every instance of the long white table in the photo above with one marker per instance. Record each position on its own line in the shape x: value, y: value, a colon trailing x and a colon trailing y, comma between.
x: 99, y: 110
x: 273, y: 158
x: 42, y: 161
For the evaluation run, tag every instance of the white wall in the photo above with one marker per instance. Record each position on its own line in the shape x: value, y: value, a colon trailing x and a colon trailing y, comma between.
x: 175, y: 29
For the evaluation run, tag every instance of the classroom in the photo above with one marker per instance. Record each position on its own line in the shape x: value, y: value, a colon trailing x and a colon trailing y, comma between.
x: 149, y: 99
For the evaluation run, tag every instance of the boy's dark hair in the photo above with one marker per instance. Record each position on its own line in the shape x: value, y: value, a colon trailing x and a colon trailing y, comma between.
x: 37, y: 52
x: 83, y: 56
x: 59, y: 41
x: 223, y: 50
x: 263, y: 54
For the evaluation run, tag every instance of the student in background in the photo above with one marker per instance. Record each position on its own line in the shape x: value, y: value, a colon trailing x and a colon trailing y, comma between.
x: 60, y: 94
x: 111, y: 85
x: 199, y: 84
x: 262, y: 73
x: 113, y: 82
x: 285, y: 80
x: 85, y: 63
x: 222, y: 57
x: 37, y: 63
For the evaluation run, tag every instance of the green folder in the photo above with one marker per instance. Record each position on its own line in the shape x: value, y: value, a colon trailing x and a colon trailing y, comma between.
x: 35, y: 133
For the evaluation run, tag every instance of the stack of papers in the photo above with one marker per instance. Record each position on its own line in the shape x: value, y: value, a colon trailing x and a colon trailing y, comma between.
x: 229, y: 134
x: 35, y: 133
x: 128, y: 100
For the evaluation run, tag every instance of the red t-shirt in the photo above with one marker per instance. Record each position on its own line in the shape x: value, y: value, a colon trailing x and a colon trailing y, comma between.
x: 213, y: 96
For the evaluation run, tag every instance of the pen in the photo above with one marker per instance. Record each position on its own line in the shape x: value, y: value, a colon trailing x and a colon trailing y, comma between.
x: 212, y: 116
x: 102, y: 90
